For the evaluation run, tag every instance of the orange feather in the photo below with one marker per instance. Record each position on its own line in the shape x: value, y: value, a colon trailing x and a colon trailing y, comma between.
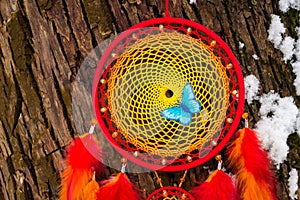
x: 246, y: 156
x: 90, y: 190
x: 83, y: 159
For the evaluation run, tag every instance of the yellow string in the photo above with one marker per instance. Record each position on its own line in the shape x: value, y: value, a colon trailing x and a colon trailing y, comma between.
x: 182, y: 179
x: 158, y: 179
x: 143, y: 75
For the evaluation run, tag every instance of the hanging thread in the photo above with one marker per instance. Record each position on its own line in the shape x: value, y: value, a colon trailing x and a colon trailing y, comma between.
x: 182, y: 179
x: 167, y: 9
x: 158, y: 179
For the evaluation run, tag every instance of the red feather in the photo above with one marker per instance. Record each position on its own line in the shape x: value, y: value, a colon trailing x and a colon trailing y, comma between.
x: 83, y: 159
x: 255, y: 179
x: 118, y: 188
x: 218, y: 186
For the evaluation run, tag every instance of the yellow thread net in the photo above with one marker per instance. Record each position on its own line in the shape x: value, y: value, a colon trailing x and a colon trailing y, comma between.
x: 150, y: 76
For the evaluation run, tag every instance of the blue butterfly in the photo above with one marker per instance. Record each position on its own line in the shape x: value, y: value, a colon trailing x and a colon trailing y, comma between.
x: 189, y: 106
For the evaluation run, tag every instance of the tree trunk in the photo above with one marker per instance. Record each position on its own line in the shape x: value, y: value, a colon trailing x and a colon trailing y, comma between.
x: 42, y: 46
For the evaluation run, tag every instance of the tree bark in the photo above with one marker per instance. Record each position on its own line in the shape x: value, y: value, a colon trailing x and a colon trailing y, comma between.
x: 42, y: 46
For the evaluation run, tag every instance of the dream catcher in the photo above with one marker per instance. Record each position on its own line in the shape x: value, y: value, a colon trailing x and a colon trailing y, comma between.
x: 168, y: 95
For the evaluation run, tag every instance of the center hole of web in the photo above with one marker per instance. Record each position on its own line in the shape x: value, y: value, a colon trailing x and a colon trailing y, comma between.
x: 169, y: 93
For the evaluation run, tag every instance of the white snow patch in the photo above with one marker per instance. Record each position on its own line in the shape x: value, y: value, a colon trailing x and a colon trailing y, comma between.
x: 298, y: 124
x: 241, y: 45
x: 287, y: 48
x: 296, y: 65
x: 287, y: 45
x: 251, y: 88
x: 255, y: 57
x: 297, y: 45
x: 276, y: 30
x: 296, y: 70
x: 278, y: 120
x: 293, y: 183
x: 285, y: 5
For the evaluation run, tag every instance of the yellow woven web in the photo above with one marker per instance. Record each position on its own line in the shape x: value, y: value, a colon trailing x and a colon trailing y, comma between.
x: 139, y: 87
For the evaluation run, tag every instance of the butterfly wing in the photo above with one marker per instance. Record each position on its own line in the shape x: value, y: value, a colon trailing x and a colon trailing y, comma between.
x: 176, y: 113
x: 185, y: 118
x: 188, y: 93
x: 189, y: 99
x: 172, y: 113
x: 194, y: 106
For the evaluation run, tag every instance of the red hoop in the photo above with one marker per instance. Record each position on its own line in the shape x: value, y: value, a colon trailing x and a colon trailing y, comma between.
x: 234, y: 112
x: 169, y: 192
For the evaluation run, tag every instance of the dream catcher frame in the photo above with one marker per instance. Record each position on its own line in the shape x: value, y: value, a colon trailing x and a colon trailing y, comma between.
x: 220, y: 50
x: 181, y: 111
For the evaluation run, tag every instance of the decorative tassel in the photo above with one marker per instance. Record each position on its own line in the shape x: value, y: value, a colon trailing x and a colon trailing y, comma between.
x: 82, y: 163
x: 118, y: 188
x: 218, y: 186
x: 254, y: 177
x: 90, y: 190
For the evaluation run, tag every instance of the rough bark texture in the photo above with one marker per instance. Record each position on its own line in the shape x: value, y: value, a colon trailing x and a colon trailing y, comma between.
x: 44, y: 42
